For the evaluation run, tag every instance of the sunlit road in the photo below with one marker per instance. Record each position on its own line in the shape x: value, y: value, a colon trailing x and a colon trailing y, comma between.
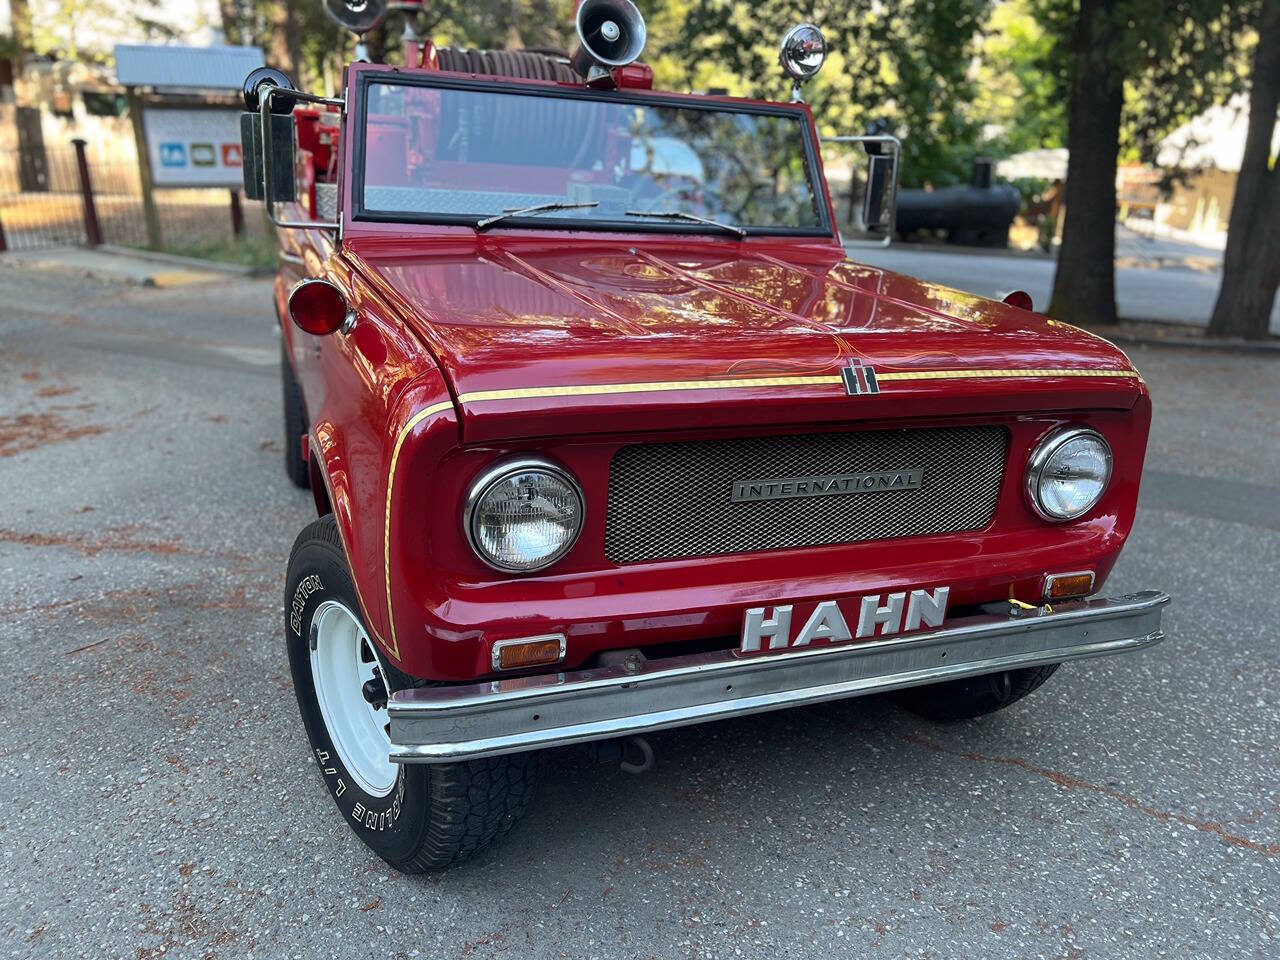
x: 160, y: 799
x: 1170, y: 294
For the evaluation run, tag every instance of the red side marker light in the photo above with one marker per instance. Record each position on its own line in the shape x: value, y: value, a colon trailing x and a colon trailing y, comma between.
x: 1020, y: 299
x: 318, y: 307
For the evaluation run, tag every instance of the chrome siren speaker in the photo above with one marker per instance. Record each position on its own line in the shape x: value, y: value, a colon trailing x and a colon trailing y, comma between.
x: 611, y: 34
x: 358, y: 16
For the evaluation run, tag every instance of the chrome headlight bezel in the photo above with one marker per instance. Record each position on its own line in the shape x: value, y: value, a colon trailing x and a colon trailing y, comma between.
x: 1039, y: 460
x: 503, y: 470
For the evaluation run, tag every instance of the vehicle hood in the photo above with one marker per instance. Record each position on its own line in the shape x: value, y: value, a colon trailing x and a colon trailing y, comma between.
x: 539, y: 340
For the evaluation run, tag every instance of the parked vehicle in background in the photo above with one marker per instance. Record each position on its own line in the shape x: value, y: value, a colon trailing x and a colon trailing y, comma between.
x: 607, y: 435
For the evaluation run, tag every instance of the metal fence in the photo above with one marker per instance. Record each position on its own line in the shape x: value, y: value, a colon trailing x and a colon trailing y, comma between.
x: 42, y: 203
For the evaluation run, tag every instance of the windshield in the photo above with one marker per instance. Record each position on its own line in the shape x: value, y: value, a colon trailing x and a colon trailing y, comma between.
x: 461, y: 154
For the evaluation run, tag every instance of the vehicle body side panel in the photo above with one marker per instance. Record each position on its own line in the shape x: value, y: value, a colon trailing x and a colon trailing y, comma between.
x: 360, y: 389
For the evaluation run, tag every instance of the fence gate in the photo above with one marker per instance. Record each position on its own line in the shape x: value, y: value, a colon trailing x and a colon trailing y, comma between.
x: 40, y: 203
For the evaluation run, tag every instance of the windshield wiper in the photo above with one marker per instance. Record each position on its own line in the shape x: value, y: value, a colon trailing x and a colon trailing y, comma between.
x: 536, y: 208
x: 692, y: 217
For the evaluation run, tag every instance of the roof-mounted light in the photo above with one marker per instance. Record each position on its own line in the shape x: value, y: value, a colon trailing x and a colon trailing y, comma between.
x: 802, y: 53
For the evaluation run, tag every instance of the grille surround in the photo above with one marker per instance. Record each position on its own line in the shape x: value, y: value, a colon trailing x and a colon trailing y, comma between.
x: 671, y: 501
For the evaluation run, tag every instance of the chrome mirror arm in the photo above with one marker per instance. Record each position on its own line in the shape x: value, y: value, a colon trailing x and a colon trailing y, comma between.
x: 265, y: 93
x: 895, y: 148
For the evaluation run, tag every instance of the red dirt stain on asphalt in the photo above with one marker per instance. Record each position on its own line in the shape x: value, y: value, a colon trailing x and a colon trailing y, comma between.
x: 54, y: 391
x: 373, y: 904
x: 111, y: 540
x: 1070, y: 782
x: 30, y: 431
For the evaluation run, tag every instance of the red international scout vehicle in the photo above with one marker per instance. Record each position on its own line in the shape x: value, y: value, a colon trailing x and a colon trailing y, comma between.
x: 607, y: 434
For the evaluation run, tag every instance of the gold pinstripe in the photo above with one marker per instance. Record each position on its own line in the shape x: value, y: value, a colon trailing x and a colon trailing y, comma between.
x: 976, y: 374
x: 597, y: 389
x: 413, y: 421
x: 738, y: 383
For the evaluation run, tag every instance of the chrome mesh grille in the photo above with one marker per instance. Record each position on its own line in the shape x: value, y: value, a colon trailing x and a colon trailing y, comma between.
x: 671, y: 500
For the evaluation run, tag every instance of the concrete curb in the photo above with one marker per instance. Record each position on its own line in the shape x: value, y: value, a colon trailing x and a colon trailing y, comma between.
x: 143, y: 268
x: 172, y: 259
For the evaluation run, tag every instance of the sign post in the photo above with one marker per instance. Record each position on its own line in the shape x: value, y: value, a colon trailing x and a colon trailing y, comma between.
x: 144, y: 168
x: 92, y: 229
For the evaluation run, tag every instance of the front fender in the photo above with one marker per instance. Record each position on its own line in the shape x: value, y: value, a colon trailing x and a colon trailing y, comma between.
x: 363, y: 483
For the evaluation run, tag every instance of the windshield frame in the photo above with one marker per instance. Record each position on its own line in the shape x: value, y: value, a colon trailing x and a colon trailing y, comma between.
x: 441, y: 79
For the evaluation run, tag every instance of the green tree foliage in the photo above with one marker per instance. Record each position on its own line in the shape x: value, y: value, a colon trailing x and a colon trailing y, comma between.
x: 908, y: 65
x: 905, y: 64
x: 1018, y: 85
x: 87, y: 29
x: 1131, y: 71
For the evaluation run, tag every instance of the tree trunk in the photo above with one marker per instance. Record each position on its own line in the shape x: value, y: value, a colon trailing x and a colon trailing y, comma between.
x: 232, y: 22
x: 1251, y: 264
x: 286, y: 43
x: 20, y: 26
x: 1084, y: 286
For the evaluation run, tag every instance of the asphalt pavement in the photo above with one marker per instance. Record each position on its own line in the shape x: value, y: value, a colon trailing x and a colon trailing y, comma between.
x: 159, y: 797
x: 1181, y: 294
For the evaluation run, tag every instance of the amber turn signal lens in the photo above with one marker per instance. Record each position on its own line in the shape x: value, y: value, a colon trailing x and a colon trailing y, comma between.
x: 531, y: 652
x: 1064, y: 586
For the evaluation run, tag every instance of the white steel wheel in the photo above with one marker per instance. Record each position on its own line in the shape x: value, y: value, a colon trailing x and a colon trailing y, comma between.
x: 344, y: 665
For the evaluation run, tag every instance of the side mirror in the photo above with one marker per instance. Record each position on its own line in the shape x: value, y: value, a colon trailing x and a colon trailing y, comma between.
x: 269, y: 140
x: 872, y: 215
x: 268, y: 155
x: 877, y: 215
x: 267, y: 135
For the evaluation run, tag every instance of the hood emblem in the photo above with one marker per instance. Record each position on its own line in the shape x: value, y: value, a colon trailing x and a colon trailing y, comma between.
x: 859, y: 378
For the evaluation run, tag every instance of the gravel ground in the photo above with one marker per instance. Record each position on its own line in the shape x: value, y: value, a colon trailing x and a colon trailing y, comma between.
x: 160, y: 799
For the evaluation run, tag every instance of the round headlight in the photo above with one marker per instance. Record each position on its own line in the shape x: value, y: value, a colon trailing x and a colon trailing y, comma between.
x: 523, y: 515
x: 1068, y: 473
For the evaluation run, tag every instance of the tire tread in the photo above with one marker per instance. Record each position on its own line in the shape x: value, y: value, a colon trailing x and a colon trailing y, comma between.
x: 470, y: 804
x: 972, y: 697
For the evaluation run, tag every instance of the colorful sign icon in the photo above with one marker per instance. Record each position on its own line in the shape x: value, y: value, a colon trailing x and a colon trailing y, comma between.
x: 203, y: 155
x: 173, y: 155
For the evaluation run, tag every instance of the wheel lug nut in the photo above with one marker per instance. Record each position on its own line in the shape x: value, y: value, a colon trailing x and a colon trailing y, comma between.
x: 375, y: 691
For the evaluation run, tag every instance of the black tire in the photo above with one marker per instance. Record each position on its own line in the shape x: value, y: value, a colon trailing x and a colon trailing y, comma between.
x: 295, y: 424
x: 434, y: 816
x: 974, y: 696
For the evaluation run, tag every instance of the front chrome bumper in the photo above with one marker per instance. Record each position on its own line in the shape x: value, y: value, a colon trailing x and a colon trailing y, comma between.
x: 443, y: 724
